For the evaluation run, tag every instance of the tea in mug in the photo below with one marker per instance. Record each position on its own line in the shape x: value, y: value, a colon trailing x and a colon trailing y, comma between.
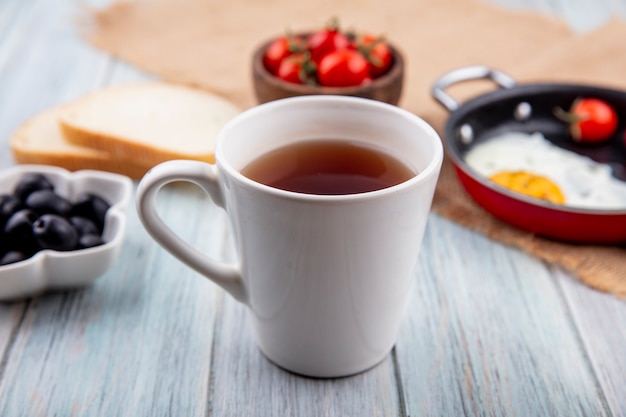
x: 328, y: 167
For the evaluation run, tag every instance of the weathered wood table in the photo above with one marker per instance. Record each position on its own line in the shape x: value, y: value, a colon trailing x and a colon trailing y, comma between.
x: 489, y: 331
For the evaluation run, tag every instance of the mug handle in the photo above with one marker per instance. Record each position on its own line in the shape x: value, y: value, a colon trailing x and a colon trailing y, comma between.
x: 206, y: 176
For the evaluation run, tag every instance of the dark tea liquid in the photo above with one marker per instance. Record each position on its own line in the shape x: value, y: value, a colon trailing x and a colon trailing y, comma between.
x: 329, y: 167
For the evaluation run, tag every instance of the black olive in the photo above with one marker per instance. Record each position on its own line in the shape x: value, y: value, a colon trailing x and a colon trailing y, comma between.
x: 18, y: 231
x: 31, y: 182
x: 84, y: 226
x: 48, y: 202
x: 9, y: 204
x: 54, y: 232
x: 92, y: 207
x: 12, y: 257
x: 34, y: 217
x: 89, y: 241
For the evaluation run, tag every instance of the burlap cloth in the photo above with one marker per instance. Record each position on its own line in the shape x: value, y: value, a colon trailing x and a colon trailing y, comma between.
x: 209, y: 43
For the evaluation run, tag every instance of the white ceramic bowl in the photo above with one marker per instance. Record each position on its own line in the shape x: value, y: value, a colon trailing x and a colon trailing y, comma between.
x: 49, y: 269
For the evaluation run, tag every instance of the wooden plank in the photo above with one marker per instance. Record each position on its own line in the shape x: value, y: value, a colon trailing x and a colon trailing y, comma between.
x: 245, y: 383
x: 487, y: 334
x: 45, y: 40
x: 11, y: 315
x: 12, y: 14
x: 581, y: 15
x: 587, y: 15
x: 137, y: 342
x: 140, y: 341
x: 11, y: 11
x: 600, y: 318
x: 26, y: 31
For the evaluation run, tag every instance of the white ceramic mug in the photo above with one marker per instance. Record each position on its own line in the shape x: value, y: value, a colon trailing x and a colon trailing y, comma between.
x: 325, y: 277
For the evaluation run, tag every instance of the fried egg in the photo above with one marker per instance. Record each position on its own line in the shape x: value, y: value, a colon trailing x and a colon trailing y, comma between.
x: 529, y: 184
x: 532, y: 165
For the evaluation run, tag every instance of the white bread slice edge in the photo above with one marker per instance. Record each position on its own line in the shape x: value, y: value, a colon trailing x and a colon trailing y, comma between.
x: 148, y: 122
x: 39, y: 141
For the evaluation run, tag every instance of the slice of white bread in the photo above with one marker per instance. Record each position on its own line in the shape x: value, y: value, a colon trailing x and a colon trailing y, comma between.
x: 148, y: 122
x: 40, y: 141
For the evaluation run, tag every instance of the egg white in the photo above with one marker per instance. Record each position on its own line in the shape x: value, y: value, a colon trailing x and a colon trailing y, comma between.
x: 584, y: 182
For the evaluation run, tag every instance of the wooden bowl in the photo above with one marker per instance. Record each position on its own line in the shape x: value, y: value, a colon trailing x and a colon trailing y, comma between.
x: 386, y: 88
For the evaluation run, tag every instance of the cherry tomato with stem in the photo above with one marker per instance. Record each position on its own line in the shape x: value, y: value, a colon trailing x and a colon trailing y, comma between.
x: 325, y: 41
x: 296, y: 68
x: 377, y: 52
x: 343, y: 68
x: 590, y: 120
x: 279, y: 50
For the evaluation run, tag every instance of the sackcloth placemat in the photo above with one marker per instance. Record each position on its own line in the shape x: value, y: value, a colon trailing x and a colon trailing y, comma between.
x: 209, y: 44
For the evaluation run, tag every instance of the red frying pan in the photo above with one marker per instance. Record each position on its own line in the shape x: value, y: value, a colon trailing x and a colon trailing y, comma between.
x: 529, y: 108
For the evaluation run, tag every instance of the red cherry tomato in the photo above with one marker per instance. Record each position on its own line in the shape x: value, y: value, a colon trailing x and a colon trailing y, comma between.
x: 279, y: 50
x: 325, y: 41
x: 290, y: 69
x: 297, y: 69
x: 343, y: 68
x: 590, y: 120
x: 377, y: 53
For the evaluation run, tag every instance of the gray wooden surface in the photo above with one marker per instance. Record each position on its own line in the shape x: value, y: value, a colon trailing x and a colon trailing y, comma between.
x: 490, y: 331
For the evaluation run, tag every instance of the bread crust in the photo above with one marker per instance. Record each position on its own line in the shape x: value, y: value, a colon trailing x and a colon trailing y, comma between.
x: 76, y: 145
x: 146, y: 100
x: 120, y: 148
x: 27, y: 148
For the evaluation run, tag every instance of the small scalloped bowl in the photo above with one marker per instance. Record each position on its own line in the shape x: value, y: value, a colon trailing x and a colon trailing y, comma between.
x: 54, y: 270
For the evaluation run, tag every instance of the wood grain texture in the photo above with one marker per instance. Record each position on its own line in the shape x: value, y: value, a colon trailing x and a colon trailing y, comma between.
x: 43, y: 63
x: 581, y: 15
x: 488, y: 335
x: 138, y: 342
x: 247, y: 384
x: 600, y: 319
x: 11, y: 315
x: 489, y: 331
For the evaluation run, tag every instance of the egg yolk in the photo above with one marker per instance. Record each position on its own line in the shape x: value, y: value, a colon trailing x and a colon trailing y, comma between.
x: 529, y: 184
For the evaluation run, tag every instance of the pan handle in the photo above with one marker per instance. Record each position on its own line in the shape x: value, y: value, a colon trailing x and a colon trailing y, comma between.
x: 470, y: 73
